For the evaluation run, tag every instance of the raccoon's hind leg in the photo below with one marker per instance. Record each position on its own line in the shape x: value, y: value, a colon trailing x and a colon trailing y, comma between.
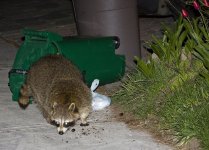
x: 24, y: 96
x: 84, y: 113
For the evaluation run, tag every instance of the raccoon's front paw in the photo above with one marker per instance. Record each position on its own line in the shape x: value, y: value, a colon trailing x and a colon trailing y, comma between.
x: 84, y: 124
x: 23, y: 102
x: 83, y: 117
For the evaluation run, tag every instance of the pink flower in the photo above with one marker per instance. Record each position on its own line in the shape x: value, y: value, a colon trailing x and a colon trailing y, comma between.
x: 206, y: 3
x: 196, y: 5
x: 184, y: 13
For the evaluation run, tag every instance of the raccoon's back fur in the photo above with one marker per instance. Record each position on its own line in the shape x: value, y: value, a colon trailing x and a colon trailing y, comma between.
x: 54, y: 80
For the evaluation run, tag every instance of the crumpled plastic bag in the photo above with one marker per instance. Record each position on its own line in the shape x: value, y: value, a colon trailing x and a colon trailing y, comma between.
x: 99, y: 101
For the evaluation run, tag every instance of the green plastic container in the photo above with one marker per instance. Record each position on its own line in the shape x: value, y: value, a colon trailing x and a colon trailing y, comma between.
x: 94, y: 56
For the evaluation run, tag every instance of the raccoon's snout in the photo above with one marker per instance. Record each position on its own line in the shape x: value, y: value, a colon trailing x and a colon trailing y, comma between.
x: 61, y: 132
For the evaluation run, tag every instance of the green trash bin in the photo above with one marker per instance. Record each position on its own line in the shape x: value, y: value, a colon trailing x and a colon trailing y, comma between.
x: 94, y: 56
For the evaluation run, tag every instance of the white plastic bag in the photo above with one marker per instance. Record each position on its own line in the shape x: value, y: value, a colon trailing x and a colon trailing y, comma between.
x: 99, y: 101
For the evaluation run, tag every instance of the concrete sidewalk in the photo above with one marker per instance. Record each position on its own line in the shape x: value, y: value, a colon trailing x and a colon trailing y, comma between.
x: 26, y: 129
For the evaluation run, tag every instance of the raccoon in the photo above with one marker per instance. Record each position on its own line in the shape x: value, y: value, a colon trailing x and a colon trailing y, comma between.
x: 57, y: 87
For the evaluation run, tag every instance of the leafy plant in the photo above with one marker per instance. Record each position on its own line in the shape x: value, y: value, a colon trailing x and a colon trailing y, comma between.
x: 171, y: 89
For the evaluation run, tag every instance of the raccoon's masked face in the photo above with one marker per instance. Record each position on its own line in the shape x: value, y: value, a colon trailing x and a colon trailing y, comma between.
x: 62, y: 117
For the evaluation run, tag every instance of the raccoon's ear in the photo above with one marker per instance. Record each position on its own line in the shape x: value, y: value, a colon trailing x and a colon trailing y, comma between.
x: 72, y: 107
x: 54, y: 105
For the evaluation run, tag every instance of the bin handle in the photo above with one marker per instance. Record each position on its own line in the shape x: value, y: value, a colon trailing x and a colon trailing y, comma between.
x: 57, y: 47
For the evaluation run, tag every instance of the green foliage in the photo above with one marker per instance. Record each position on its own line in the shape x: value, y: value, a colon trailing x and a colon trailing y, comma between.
x: 183, y: 110
x: 169, y: 48
x: 198, y: 37
x: 147, y: 69
x: 171, y: 88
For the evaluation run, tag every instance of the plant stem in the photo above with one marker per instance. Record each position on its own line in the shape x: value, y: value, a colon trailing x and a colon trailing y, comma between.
x: 203, y: 19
